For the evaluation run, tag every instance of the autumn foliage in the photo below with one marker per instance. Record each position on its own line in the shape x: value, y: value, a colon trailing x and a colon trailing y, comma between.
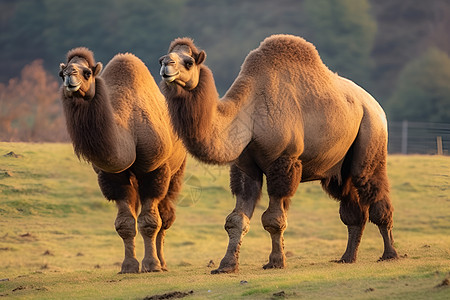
x: 30, y: 110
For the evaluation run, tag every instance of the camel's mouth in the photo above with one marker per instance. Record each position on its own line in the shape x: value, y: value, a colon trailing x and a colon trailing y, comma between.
x: 168, y: 77
x: 71, y: 83
x: 73, y: 88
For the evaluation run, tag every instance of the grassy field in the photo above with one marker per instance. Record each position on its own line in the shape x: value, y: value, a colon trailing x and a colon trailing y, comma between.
x: 57, y: 237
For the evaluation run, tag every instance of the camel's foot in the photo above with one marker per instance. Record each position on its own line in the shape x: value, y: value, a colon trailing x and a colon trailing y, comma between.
x: 151, y: 265
x: 228, y: 264
x: 391, y: 255
x: 130, y: 265
x: 272, y: 265
x: 345, y: 259
x: 276, y: 262
x: 225, y: 269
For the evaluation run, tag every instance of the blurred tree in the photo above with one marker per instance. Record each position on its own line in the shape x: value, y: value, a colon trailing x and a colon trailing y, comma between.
x: 423, y: 89
x: 405, y: 30
x: 49, y: 28
x: 30, y: 109
x: 229, y: 30
x: 344, y: 33
x: 21, y: 41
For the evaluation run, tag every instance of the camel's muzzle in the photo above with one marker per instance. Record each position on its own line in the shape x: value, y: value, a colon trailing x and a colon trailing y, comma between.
x: 168, y: 73
x: 72, y: 83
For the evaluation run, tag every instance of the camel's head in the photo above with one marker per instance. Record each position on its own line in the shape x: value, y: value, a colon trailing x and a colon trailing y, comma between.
x: 182, y: 64
x: 79, y: 73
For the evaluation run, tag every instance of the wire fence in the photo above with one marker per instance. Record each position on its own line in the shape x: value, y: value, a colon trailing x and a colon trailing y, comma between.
x: 419, y: 138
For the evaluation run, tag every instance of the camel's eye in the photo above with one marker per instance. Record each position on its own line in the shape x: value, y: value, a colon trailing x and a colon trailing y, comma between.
x: 87, y: 73
x: 189, y: 63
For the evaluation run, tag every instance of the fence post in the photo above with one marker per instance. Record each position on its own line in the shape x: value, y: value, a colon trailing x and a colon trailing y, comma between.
x: 439, y: 145
x: 405, y: 137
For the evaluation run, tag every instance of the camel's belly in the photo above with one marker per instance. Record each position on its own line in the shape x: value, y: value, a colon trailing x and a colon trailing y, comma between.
x: 320, y: 170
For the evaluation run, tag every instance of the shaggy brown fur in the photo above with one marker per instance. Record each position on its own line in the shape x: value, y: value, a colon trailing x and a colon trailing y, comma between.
x: 286, y: 116
x: 119, y: 122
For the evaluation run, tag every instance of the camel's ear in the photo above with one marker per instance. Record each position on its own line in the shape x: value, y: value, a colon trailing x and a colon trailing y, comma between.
x: 96, y: 70
x: 200, y: 57
x: 61, y: 69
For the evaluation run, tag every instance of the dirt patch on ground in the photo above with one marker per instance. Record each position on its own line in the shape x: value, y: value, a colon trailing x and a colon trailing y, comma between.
x: 48, y: 253
x: 5, y: 174
x: 445, y: 282
x: 12, y: 154
x: 281, y: 294
x: 171, y: 295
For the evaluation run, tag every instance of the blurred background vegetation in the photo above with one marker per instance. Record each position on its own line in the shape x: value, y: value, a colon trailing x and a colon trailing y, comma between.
x: 397, y: 50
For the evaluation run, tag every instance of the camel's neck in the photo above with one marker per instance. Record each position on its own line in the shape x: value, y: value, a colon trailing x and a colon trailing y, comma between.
x: 211, y: 128
x: 94, y: 132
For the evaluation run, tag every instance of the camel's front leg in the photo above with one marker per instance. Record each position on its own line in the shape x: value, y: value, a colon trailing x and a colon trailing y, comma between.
x: 160, y: 248
x: 153, y: 188
x: 119, y: 187
x: 247, y: 190
x: 149, y: 223
x: 167, y: 212
x: 274, y: 221
x: 283, y: 179
x: 126, y: 228
x: 237, y: 226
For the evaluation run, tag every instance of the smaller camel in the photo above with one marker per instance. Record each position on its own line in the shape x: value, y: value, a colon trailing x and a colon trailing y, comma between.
x: 119, y: 122
x: 289, y: 117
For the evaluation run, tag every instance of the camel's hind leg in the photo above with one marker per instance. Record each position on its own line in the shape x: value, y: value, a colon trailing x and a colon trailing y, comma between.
x: 152, y: 189
x: 283, y: 179
x: 167, y: 212
x: 352, y: 213
x: 247, y: 190
x: 119, y: 188
x: 369, y: 176
x: 375, y: 192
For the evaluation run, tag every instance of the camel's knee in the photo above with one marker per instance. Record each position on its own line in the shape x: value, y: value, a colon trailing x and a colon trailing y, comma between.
x: 149, y: 223
x: 283, y: 177
x: 237, y: 223
x: 381, y: 212
x: 125, y: 227
x: 274, y: 221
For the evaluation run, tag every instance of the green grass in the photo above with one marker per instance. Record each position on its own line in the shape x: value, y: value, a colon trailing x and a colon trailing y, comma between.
x: 57, y: 237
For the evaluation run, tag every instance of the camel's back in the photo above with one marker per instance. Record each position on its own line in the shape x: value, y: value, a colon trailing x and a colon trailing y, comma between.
x: 290, y: 67
x: 127, y: 77
x: 281, y: 51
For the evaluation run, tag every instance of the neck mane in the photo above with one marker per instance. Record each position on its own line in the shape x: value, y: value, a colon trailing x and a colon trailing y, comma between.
x: 205, y: 123
x: 90, y: 124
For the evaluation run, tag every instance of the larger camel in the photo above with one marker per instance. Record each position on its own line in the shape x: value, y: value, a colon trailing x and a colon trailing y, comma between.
x: 119, y: 122
x: 289, y: 117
